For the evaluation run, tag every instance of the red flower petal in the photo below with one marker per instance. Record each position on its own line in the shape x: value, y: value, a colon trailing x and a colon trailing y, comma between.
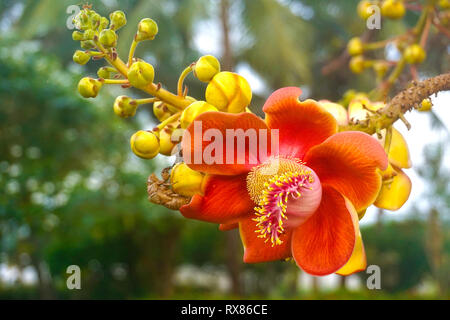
x: 256, y: 249
x: 301, y: 124
x: 225, y: 200
x: 348, y: 161
x: 196, y: 148
x: 325, y: 242
x: 228, y: 227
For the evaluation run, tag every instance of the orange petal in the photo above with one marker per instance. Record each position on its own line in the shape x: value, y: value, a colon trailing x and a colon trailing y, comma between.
x: 301, y: 125
x: 225, y: 200
x: 210, y: 157
x: 357, y: 262
x: 393, y: 196
x: 256, y: 249
x: 348, y: 161
x: 325, y: 242
x: 228, y: 227
x: 338, y: 111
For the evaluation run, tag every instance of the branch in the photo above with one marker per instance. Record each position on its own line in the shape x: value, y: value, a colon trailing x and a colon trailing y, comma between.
x: 400, y: 104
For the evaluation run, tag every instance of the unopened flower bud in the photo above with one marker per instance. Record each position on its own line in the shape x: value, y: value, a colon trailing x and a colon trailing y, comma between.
x: 141, y: 74
x: 393, y: 9
x: 77, y: 36
x: 425, y: 105
x: 161, y: 110
x: 185, y: 181
x: 104, y: 73
x: 147, y: 30
x: 193, y: 111
x: 355, y: 47
x: 125, y: 106
x: 168, y: 139
x: 364, y: 9
x: 104, y: 23
x: 118, y: 19
x: 108, y: 38
x: 357, y: 64
x: 87, y: 45
x: 89, y: 34
x: 145, y: 144
x: 415, y: 54
x: 81, y: 57
x: 206, y: 68
x: 89, y: 87
x: 229, y: 92
x: 380, y: 68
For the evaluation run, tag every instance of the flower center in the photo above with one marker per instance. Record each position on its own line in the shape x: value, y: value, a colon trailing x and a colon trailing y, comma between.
x: 286, y: 192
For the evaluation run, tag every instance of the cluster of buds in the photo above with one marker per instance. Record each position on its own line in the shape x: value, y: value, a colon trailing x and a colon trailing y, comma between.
x: 225, y: 91
x: 411, y: 44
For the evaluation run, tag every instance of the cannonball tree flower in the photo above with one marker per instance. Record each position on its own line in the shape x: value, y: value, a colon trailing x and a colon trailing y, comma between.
x: 396, y: 183
x: 299, y: 200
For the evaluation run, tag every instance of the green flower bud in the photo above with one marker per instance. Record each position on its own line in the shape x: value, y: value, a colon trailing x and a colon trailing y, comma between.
x: 89, y: 87
x: 141, y: 74
x: 206, y: 68
x: 147, y: 30
x: 108, y: 38
x: 95, y: 20
x: 82, y: 21
x: 125, y: 106
x: 81, y: 57
x: 118, y: 19
x: 77, y: 36
x: 145, y: 144
x: 87, y: 45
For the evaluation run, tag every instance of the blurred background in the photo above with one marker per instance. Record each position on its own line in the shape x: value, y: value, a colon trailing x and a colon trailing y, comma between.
x: 71, y: 192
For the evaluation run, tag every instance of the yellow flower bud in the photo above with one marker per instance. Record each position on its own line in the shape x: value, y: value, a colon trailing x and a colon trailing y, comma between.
x: 145, y: 144
x: 87, y: 44
x: 161, y: 110
x: 77, y: 36
x: 426, y: 105
x: 81, y: 57
x: 185, y: 181
x: 206, y: 68
x: 104, y: 23
x: 108, y: 38
x: 89, y: 87
x: 415, y: 54
x: 169, y: 138
x: 147, y: 30
x: 118, y: 19
x: 355, y: 47
x: 89, y: 34
x: 357, y: 64
x: 380, y: 68
x: 229, y: 92
x: 193, y: 111
x: 444, y: 4
x: 125, y: 106
x: 363, y: 9
x: 393, y: 9
x: 141, y: 74
x: 104, y: 72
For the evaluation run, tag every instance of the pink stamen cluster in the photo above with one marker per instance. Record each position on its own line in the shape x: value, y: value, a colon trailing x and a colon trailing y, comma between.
x: 271, y: 210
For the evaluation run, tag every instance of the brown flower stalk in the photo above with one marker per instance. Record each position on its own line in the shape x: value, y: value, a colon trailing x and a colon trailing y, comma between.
x: 400, y: 104
x: 160, y: 192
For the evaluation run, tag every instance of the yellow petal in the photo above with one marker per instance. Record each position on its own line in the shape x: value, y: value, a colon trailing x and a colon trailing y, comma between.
x: 399, y: 152
x: 357, y: 261
x: 394, y: 195
x: 338, y: 111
